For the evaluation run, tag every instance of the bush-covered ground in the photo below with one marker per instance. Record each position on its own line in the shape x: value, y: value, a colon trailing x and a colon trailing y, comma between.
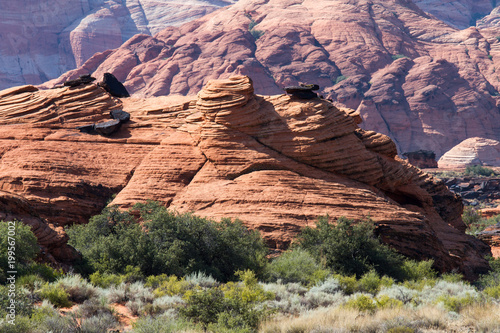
x: 202, y: 276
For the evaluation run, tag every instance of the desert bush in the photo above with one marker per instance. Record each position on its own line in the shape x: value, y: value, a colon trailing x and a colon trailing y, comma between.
x: 384, y: 302
x: 315, y: 298
x: 350, y: 248
x: 162, y: 324
x: 398, y: 292
x: 116, y: 294
x: 18, y: 244
x: 172, y: 286
x: 22, y: 324
x: 164, y: 303
x: 477, y: 170
x: 340, y: 78
x: 77, y: 288
x: 475, y: 222
x: 93, y: 307
x: 173, y: 244
x: 493, y: 292
x: 201, y: 279
x: 361, y: 302
x: 230, y: 307
x: 44, y: 271
x: 55, y: 295
x: 97, y: 324
x: 23, y: 301
x: 296, y: 265
x: 492, y: 279
x: 371, y: 283
x: 105, y: 280
x: 454, y: 303
x: 329, y: 286
x: 418, y: 270
x: 398, y: 56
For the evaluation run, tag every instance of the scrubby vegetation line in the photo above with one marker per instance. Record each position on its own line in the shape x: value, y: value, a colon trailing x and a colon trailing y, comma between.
x: 181, y: 273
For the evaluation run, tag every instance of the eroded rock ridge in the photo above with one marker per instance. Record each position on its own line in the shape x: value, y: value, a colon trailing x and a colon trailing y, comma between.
x: 275, y: 162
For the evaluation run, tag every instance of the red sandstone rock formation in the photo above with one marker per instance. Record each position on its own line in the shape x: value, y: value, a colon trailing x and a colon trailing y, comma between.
x: 411, y: 76
x: 473, y: 151
x: 275, y: 162
x: 40, y: 40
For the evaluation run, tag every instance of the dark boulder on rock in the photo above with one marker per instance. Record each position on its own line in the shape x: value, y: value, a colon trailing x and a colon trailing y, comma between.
x: 304, y: 91
x: 82, y: 80
x: 108, y: 127
x: 121, y: 115
x: 87, y: 129
x: 111, y: 84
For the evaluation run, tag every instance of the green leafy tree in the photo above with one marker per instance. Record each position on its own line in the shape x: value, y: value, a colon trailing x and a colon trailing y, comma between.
x: 350, y: 248
x: 167, y: 243
x: 18, y: 242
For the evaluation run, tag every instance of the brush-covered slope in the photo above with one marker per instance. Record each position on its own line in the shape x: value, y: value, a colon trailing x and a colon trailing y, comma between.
x: 276, y: 162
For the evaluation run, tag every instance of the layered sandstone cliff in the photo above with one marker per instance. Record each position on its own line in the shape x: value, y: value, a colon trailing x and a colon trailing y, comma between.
x: 40, y: 40
x: 425, y: 83
x: 275, y: 162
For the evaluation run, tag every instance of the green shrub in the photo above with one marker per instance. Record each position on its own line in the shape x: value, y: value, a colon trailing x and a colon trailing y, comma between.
x: 362, y: 303
x: 161, y: 324
x: 492, y: 279
x: 477, y: 170
x: 256, y: 34
x: 371, y: 283
x: 22, y: 324
x: 350, y: 248
x: 348, y: 284
x: 171, y: 286
x: 493, y: 292
x: 475, y: 223
x: 55, y: 295
x: 203, y: 306
x: 297, y: 265
x: 23, y: 298
x: 455, y: 303
x: 77, y: 288
x: 97, y: 324
x: 44, y: 271
x: 174, y: 244
x: 419, y: 270
x: 398, y: 56
x: 386, y: 302
x: 105, y: 280
x: 17, y: 243
x: 340, y: 78
x: 230, y: 307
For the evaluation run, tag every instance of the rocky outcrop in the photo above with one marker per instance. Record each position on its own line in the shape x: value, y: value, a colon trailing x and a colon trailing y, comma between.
x: 275, y: 162
x: 475, y: 190
x: 460, y: 14
x: 426, y: 84
x: 40, y: 40
x: 422, y: 159
x: 473, y: 151
x: 491, y: 236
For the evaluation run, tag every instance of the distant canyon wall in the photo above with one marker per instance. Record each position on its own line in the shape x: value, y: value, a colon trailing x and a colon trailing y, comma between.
x: 40, y: 40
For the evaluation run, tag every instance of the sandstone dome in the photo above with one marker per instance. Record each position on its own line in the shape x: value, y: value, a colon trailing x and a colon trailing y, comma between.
x: 472, y: 151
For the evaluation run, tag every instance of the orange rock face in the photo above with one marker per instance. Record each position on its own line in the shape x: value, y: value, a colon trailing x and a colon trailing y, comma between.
x: 275, y: 162
x: 426, y: 84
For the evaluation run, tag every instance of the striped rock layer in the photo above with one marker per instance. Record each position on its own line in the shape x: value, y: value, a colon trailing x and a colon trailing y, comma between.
x: 275, y: 162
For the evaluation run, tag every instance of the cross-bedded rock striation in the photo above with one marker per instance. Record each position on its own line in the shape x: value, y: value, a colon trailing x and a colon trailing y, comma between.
x: 275, y: 162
